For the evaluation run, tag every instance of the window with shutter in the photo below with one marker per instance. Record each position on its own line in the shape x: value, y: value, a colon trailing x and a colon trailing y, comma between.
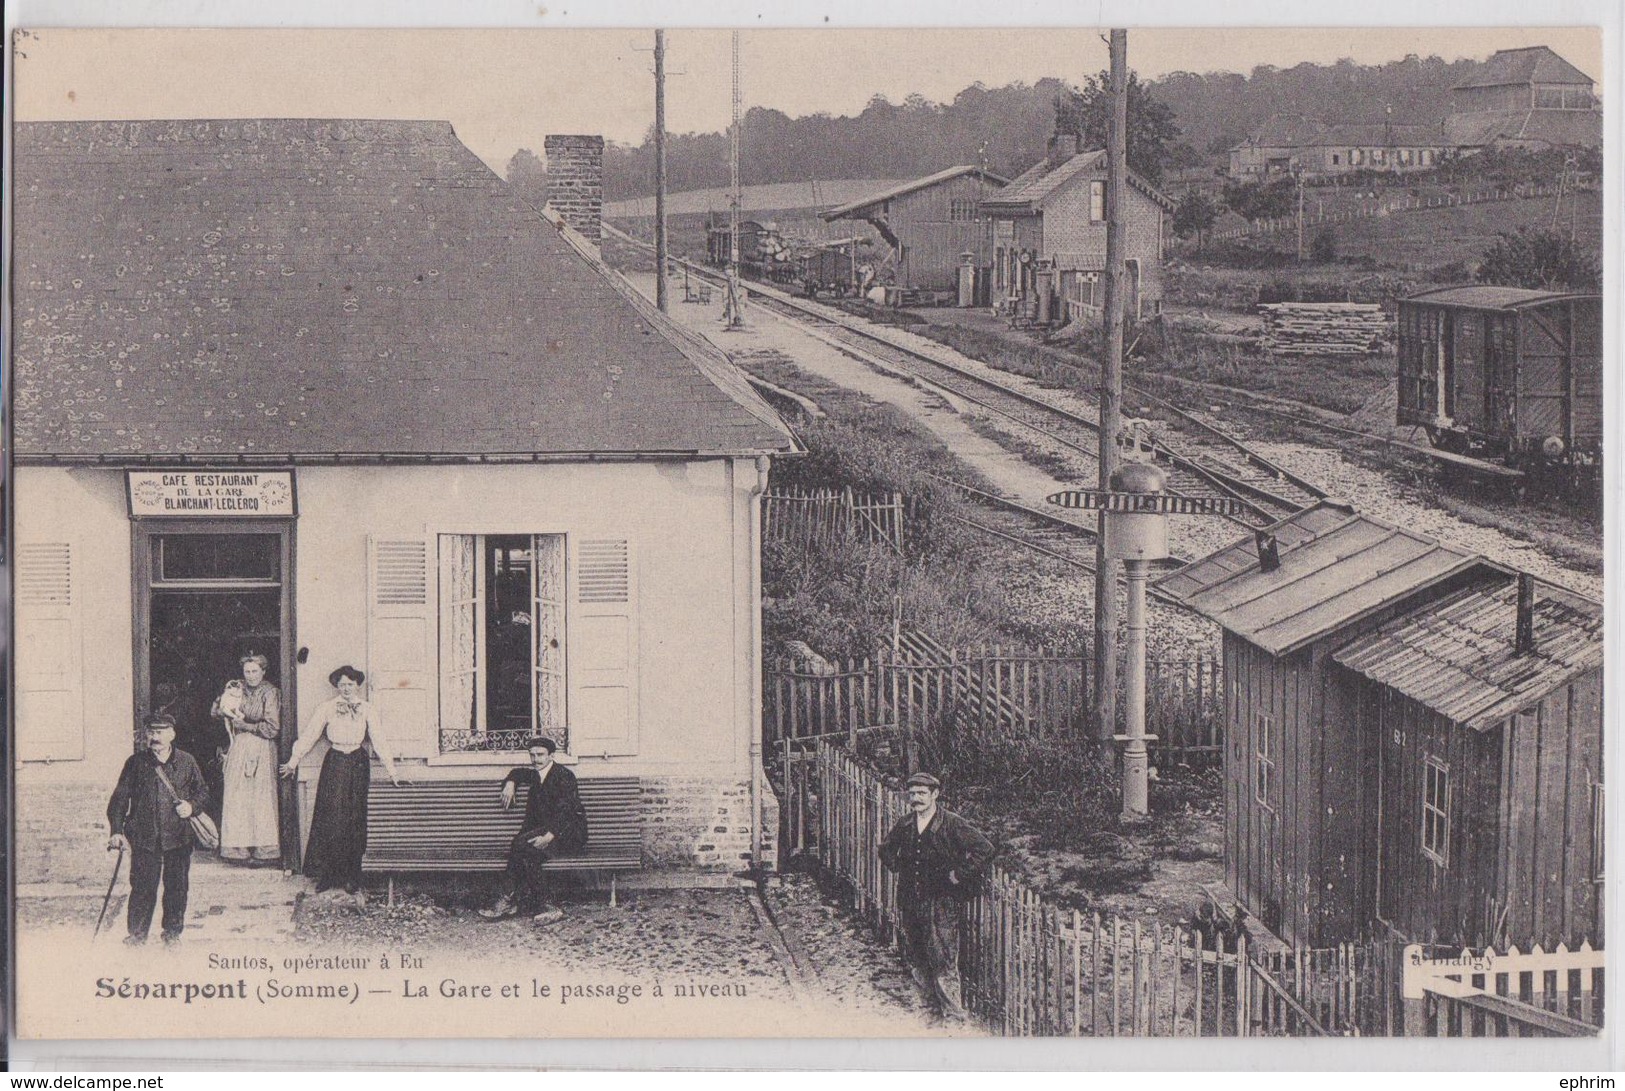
x: 50, y: 696
x: 502, y: 641
x: 603, y: 652
x: 400, y: 641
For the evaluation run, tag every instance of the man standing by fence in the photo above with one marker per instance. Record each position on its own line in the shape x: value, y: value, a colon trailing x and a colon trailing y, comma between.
x: 941, y: 861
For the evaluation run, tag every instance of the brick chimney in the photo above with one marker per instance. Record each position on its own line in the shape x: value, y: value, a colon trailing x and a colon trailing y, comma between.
x: 1062, y: 147
x: 575, y: 181
x: 1523, y: 640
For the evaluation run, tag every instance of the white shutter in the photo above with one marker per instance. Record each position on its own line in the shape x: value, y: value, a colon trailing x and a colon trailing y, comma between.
x: 603, y: 648
x: 50, y: 697
x: 401, y: 641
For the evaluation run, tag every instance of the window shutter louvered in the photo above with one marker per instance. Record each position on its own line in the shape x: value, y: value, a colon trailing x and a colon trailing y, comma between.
x: 50, y: 695
x: 401, y: 641
x: 603, y: 714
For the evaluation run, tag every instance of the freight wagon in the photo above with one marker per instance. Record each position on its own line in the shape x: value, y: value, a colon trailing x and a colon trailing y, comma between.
x: 763, y: 253
x: 1508, y: 374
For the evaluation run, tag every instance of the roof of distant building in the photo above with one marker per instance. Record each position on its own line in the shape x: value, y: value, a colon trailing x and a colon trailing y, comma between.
x: 1459, y: 656
x: 1556, y: 128
x: 1336, y: 567
x: 218, y: 290
x: 1530, y: 64
x: 1297, y: 131
x: 1032, y: 187
x: 1493, y: 297
x: 902, y: 189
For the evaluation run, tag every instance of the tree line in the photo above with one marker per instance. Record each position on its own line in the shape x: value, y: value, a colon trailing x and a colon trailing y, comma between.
x: 1181, y: 119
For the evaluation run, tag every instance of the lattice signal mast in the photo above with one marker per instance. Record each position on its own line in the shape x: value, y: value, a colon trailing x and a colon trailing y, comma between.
x: 731, y: 307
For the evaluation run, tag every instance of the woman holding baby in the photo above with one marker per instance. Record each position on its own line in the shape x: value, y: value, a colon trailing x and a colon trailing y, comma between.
x: 252, y: 710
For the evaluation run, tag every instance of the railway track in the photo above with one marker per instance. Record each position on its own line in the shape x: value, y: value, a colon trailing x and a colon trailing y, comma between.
x: 1043, y: 532
x: 1203, y: 461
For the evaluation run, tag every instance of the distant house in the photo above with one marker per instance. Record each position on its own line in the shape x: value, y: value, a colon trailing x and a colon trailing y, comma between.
x: 1049, y: 234
x: 1294, y: 144
x: 929, y: 223
x: 1413, y: 741
x: 1528, y: 98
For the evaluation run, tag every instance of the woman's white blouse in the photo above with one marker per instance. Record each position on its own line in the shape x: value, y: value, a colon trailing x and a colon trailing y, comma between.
x: 347, y: 724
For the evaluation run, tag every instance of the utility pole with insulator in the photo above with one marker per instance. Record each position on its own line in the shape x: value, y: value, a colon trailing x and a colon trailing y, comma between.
x: 1110, y: 392
x: 731, y: 309
x: 660, y: 170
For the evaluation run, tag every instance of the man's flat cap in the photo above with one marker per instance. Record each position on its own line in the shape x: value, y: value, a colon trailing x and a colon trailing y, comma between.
x: 924, y: 780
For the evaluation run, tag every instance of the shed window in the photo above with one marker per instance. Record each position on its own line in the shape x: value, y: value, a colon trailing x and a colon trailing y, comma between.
x: 962, y: 209
x: 1265, y: 743
x: 1097, y: 202
x: 1436, y: 810
x: 501, y: 640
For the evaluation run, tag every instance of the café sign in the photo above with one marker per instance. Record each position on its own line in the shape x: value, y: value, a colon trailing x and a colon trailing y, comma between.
x: 211, y: 493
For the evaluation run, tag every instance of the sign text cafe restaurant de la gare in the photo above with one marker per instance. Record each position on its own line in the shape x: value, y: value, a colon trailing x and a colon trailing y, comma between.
x: 329, y: 393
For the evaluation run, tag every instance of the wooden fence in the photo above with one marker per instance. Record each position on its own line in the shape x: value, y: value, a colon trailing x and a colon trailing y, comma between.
x: 1388, y: 206
x: 945, y: 697
x: 1485, y: 994
x: 823, y: 516
x: 1031, y: 967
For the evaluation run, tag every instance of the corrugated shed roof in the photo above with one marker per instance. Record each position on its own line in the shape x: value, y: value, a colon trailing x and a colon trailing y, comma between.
x: 1458, y: 657
x: 903, y: 188
x: 1491, y: 296
x: 1336, y: 567
x: 1531, y: 64
x: 1033, y: 186
x: 267, y: 288
x: 1297, y: 131
x: 1558, y: 128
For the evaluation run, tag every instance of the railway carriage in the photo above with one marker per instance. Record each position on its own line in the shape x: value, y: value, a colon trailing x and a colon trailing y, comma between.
x: 1508, y: 374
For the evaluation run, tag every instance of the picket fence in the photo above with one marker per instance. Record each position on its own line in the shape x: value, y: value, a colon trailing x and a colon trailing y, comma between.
x: 1277, y: 224
x: 1032, y: 967
x: 825, y: 516
x: 945, y: 697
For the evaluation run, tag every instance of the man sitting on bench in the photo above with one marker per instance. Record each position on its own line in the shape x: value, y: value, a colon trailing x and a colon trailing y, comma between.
x: 555, y: 825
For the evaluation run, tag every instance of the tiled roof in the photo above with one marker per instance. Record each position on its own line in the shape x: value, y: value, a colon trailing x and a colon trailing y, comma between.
x: 1033, y: 186
x: 1336, y: 567
x: 1557, y: 128
x: 307, y: 288
x: 903, y: 188
x: 1481, y: 296
x: 1459, y: 656
x: 1531, y: 64
x: 1296, y: 131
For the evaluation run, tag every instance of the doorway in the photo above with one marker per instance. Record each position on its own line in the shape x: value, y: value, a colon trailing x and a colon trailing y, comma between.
x: 208, y: 594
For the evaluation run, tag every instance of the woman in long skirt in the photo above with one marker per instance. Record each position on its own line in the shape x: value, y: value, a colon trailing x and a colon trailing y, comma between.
x: 252, y: 711
x: 338, y: 827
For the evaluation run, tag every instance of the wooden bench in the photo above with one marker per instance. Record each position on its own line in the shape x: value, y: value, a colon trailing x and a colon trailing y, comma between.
x: 459, y: 825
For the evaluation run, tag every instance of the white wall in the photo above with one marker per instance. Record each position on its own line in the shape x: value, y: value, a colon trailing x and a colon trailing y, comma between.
x: 688, y: 522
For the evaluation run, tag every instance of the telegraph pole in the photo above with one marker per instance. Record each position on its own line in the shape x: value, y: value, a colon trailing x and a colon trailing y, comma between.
x: 1110, y: 392
x: 731, y: 310
x: 660, y: 171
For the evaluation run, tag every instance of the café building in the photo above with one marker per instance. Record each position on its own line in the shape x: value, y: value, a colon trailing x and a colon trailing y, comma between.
x: 331, y: 392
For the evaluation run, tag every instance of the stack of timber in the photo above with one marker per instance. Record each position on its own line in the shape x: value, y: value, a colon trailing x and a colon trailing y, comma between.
x: 1323, y: 328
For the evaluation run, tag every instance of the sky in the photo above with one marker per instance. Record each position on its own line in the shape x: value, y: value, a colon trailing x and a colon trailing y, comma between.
x: 504, y: 89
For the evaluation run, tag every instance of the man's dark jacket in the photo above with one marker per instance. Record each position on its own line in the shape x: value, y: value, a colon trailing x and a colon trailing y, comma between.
x: 923, y: 861
x: 553, y: 807
x: 143, y: 810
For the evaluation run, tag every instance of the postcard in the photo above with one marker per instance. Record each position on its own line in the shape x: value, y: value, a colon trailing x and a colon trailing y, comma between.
x: 807, y: 533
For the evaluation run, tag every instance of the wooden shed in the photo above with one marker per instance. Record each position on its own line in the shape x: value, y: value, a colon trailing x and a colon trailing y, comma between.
x: 1300, y: 803
x: 1484, y: 715
x: 929, y: 223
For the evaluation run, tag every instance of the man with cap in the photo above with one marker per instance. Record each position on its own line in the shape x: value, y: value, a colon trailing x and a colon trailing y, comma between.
x: 159, y: 789
x: 940, y: 861
x: 555, y: 824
